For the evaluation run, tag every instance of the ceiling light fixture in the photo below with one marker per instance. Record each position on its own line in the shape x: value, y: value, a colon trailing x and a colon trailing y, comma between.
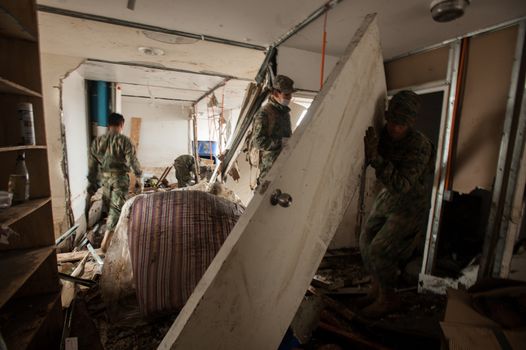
x: 448, y: 10
x: 151, y: 51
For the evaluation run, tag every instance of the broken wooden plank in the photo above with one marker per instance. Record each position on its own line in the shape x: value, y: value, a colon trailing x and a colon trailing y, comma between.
x: 335, y: 306
x: 163, y: 176
x: 76, y: 256
x: 249, y: 294
x: 135, y: 137
x: 348, y: 291
x: 68, y: 288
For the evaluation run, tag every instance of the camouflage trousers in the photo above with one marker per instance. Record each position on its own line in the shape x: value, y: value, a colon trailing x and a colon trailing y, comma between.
x: 114, y: 190
x: 393, y: 232
x: 183, y: 176
x: 266, y: 159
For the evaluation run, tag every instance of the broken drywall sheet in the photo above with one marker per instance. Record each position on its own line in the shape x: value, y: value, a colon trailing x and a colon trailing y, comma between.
x: 251, y: 291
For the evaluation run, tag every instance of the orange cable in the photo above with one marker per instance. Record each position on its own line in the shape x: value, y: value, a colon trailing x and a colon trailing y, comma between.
x: 210, y: 131
x: 460, y: 76
x: 221, y: 119
x: 323, y: 47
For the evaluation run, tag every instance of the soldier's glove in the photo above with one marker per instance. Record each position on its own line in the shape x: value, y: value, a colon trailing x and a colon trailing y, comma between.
x: 139, y: 185
x: 371, y: 145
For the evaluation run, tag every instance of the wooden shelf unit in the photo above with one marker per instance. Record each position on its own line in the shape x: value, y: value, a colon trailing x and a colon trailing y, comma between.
x: 19, y: 211
x: 21, y: 148
x: 30, y: 309
x: 17, y: 266
x: 25, y: 321
x: 9, y: 87
x: 11, y: 26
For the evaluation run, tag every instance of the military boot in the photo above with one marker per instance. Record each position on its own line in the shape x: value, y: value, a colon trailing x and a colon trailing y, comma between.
x: 371, y: 295
x: 387, y: 302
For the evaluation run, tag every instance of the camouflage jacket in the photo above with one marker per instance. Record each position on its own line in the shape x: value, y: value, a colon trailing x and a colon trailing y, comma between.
x: 112, y: 152
x: 272, y: 123
x: 402, y: 166
x: 185, y: 161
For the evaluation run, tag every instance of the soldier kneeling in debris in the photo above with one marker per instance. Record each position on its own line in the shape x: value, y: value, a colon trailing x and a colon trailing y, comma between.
x: 184, y: 168
x: 401, y: 157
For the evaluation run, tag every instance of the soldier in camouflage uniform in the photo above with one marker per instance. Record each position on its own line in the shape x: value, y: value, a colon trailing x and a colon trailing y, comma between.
x: 272, y: 124
x: 113, y: 154
x: 401, y: 157
x: 184, y: 168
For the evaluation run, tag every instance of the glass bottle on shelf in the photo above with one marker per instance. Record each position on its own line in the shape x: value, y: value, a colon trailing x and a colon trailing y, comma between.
x: 19, y: 180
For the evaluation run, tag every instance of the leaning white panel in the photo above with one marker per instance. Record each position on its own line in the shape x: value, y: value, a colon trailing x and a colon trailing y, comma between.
x: 249, y: 295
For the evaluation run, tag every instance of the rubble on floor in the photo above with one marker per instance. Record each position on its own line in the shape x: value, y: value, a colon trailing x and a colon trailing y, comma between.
x: 124, y: 320
x: 129, y: 331
x: 488, y: 316
x: 328, y: 319
x: 337, y: 286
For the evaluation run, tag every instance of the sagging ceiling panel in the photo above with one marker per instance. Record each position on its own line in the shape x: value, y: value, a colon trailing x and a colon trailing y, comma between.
x: 160, y: 92
x: 122, y: 73
x: 248, y: 296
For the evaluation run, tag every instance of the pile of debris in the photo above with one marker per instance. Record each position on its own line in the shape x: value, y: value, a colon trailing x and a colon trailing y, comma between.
x: 113, y: 292
x: 329, y: 317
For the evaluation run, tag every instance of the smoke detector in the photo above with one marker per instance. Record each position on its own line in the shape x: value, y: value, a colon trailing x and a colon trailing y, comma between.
x: 151, y: 51
x: 448, y: 10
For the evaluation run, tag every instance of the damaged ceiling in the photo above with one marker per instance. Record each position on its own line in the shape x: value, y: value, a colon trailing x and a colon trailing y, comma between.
x: 69, y: 36
x: 168, y: 85
x: 254, y: 23
x: 405, y: 25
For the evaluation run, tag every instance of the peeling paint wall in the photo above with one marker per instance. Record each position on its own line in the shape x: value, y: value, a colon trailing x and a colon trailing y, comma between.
x: 76, y: 126
x: 54, y: 68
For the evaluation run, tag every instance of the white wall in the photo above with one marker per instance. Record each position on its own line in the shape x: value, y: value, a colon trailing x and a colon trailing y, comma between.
x: 75, y: 119
x: 164, y: 130
x: 54, y: 68
x: 242, y: 186
x: 304, y: 67
x: 205, y: 129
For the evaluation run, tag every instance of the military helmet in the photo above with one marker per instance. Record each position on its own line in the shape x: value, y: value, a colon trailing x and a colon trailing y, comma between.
x: 403, y: 107
x: 283, y: 84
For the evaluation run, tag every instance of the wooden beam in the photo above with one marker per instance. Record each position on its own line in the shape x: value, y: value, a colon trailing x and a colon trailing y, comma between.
x: 135, y: 136
x: 251, y: 291
x: 135, y: 131
x: 76, y: 256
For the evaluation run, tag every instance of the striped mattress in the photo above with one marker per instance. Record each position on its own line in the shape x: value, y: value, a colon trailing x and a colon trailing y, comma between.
x: 173, y: 237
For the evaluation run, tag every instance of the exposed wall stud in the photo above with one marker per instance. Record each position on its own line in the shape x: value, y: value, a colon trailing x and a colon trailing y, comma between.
x: 442, y: 162
x: 510, y: 153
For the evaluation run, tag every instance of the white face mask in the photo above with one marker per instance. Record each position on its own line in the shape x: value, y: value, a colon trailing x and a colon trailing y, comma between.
x: 285, y: 102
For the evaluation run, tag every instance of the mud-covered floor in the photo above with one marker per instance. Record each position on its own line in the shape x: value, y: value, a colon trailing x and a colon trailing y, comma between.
x: 341, y: 278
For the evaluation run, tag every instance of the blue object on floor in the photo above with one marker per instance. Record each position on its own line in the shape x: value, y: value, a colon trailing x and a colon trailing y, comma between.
x: 203, y: 149
x: 289, y: 341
